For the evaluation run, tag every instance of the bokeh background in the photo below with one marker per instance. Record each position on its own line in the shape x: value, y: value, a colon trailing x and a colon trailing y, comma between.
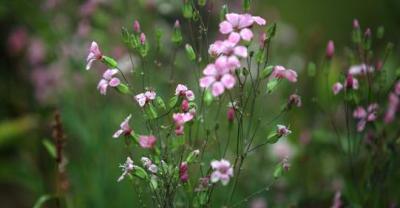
x: 43, y: 48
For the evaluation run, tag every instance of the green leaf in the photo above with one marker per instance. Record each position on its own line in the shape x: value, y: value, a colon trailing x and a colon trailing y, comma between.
x: 140, y: 172
x: 208, y: 98
x: 272, y: 85
x: 123, y: 89
x: 201, y: 2
x: 160, y: 103
x: 192, y: 155
x: 51, y: 149
x: 110, y: 62
x: 278, y: 172
x: 260, y: 56
x: 173, y: 101
x: 190, y: 52
x: 266, y: 72
x: 223, y: 12
x: 273, y: 138
x: 246, y: 5
x: 154, y: 182
x: 177, y: 36
x: 150, y: 111
x: 271, y: 31
x: 187, y: 10
x: 42, y: 199
x: 125, y: 35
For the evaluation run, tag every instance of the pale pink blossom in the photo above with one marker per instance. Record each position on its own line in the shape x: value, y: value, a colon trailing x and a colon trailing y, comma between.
x: 330, y: 49
x: 282, y: 72
x: 108, y: 80
x: 336, y: 88
x: 125, y: 129
x: 94, y: 55
x: 127, y: 167
x: 240, y: 24
x: 145, y: 97
x: 182, y: 90
x: 365, y: 115
x: 181, y: 118
x: 147, y: 142
x: 183, y: 172
x: 282, y: 131
x: 222, y: 171
x: 392, y: 108
x: 147, y: 163
x: 282, y: 150
x: 228, y: 47
x: 361, y: 69
x: 351, y: 82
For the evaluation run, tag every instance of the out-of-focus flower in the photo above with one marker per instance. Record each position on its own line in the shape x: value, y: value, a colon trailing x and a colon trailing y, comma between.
x: 147, y: 142
x: 17, y: 40
x: 136, y: 26
x: 142, y: 38
x: 337, y: 201
x: 108, y: 80
x: 185, y: 106
x: 182, y: 90
x: 282, y: 72
x: 281, y: 150
x: 365, y: 116
x: 204, y: 183
x: 367, y: 33
x: 285, y: 164
x: 94, y: 55
x: 336, y: 88
x: 239, y: 24
x: 230, y: 114
x: 125, y: 129
x: 282, y: 131
x: 88, y: 8
x: 361, y: 69
x: 392, y: 108
x: 36, y: 51
x: 397, y: 88
x: 177, y: 24
x: 145, y: 97
x: 84, y: 28
x: 47, y: 82
x: 351, y: 82
x: 356, y: 25
x: 180, y: 119
x: 258, y: 203
x: 295, y: 100
x: 127, y: 167
x: 222, y: 171
x: 183, y: 172
x: 330, y: 49
x: 263, y: 39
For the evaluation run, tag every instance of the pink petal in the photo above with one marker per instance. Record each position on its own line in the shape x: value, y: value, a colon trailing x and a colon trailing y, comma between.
x: 259, y: 20
x: 233, y: 62
x: 246, y: 20
x: 206, y: 81
x: 234, y: 38
x: 102, y: 86
x: 118, y: 133
x: 217, y: 89
x: 228, y: 80
x: 180, y: 89
x: 233, y: 19
x: 240, y: 51
x: 125, y: 124
x: 291, y: 75
x: 89, y: 64
x: 109, y: 73
x: 190, y: 95
x: 114, y: 82
x: 210, y: 70
x: 246, y: 34
x: 225, y: 27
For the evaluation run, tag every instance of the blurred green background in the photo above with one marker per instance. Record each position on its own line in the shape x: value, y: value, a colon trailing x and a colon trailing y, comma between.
x: 43, y: 51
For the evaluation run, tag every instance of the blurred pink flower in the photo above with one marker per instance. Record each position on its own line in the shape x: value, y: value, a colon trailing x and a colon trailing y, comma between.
x: 282, y: 72
x: 17, y: 40
x: 36, y: 51
x: 183, y: 172
x: 361, y: 69
x: 330, y: 49
x: 351, y: 82
x: 88, y: 8
x: 392, y: 108
x: 144, y: 98
x: 185, y: 106
x: 282, y: 149
x: 108, y: 80
x: 295, y: 100
x: 147, y: 142
x: 365, y: 116
x: 127, y: 167
x: 84, y: 28
x: 136, y: 26
x: 142, y: 38
x: 222, y: 171
x: 336, y: 88
x: 230, y: 114
x: 337, y: 201
x: 397, y: 88
x: 282, y: 131
x: 125, y: 129
x: 182, y: 90
x: 94, y: 55
x: 46, y: 82
x: 258, y: 203
x: 147, y: 163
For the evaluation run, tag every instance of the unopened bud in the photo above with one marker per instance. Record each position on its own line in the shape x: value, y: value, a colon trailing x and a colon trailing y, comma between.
x: 330, y: 49
x: 356, y: 25
x: 185, y: 106
x: 230, y: 114
x: 367, y: 33
x: 142, y: 38
x: 177, y: 24
x: 136, y: 26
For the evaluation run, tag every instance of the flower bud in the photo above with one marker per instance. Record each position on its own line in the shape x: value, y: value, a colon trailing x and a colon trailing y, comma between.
x: 185, y: 105
x: 367, y: 33
x: 330, y: 49
x: 356, y: 25
x: 183, y: 172
x: 295, y: 100
x: 177, y: 24
x: 142, y: 38
x: 136, y: 26
x: 230, y: 114
x: 263, y: 38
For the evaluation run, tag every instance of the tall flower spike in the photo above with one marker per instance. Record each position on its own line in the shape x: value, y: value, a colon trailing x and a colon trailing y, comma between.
x: 94, y: 55
x: 125, y: 129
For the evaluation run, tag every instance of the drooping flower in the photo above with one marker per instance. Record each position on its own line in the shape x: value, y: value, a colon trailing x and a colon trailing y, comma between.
x: 337, y: 87
x: 125, y: 129
x: 183, y: 172
x: 145, y: 97
x: 218, y: 77
x: 127, y: 167
x: 239, y: 24
x: 222, y: 171
x: 94, y: 55
x: 282, y: 130
x: 147, y: 142
x: 282, y: 72
x: 365, y: 116
x: 108, y: 80
x: 182, y: 90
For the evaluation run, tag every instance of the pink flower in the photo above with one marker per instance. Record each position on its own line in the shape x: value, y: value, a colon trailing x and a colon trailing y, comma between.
x: 127, y: 167
x: 147, y: 142
x: 282, y: 72
x: 239, y: 25
x: 142, y: 38
x: 177, y: 24
x: 183, y: 172
x: 282, y: 150
x: 185, y: 106
x: 17, y: 40
x: 182, y: 90
x: 222, y: 171
x: 361, y: 69
x: 397, y: 88
x: 356, y: 25
x: 181, y: 118
x: 336, y: 88
x: 136, y: 26
x: 108, y: 80
x: 124, y: 128
x: 295, y: 99
x: 218, y: 77
x: 282, y: 131
x: 351, y: 82
x: 392, y: 108
x: 144, y: 98
x: 147, y: 163
x: 365, y: 116
x: 230, y: 114
x: 94, y: 55
x: 330, y: 49
x: 228, y: 47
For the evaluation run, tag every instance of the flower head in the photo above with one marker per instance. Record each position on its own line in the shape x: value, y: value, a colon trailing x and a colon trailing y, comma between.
x: 147, y: 163
x: 145, y: 97
x: 127, y: 167
x: 136, y: 26
x: 182, y: 90
x: 108, y: 80
x: 361, y: 69
x: 239, y: 25
x: 330, y: 49
x: 94, y: 55
x: 124, y: 128
x: 147, y: 142
x: 351, y: 82
x: 365, y: 115
x: 222, y: 171
x: 282, y: 130
x: 295, y: 100
x: 183, y: 172
x: 282, y: 72
x: 218, y: 77
x: 394, y: 102
x: 337, y: 87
